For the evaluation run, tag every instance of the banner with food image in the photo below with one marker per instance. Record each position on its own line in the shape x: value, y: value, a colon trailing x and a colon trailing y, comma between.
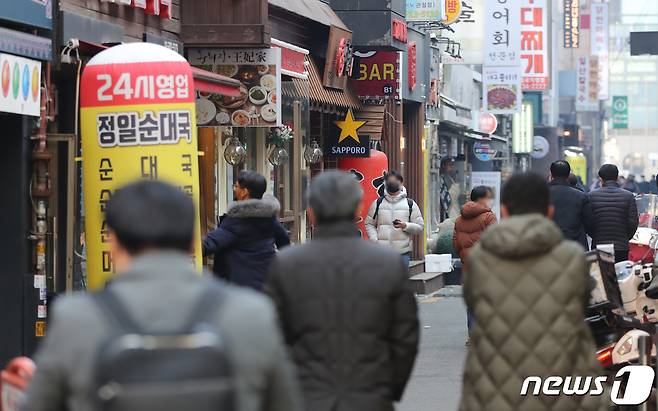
x: 259, y: 72
x: 502, y: 90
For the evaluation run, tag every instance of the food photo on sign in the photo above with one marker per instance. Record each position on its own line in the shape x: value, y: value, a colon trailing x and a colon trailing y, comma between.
x: 259, y: 73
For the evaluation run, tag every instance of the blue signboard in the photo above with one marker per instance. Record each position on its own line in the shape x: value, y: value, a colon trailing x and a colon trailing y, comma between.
x: 36, y: 13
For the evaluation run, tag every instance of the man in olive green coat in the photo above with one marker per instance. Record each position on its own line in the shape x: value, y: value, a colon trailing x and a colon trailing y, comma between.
x: 528, y: 289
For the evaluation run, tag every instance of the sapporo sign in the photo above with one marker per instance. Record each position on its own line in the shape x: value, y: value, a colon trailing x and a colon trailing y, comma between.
x: 620, y: 112
x: 138, y: 123
x: 348, y: 143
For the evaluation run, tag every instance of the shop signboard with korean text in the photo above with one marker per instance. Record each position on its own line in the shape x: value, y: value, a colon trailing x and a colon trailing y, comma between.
x: 339, y: 60
x: 620, y: 112
x: 534, y: 45
x: 20, y: 87
x: 571, y: 23
x: 501, y: 74
x: 469, y: 32
x: 377, y: 75
x: 600, y: 47
x: 36, y: 13
x: 259, y: 72
x: 523, y: 129
x: 586, y: 98
x: 502, y: 90
x: 138, y: 122
x: 425, y: 10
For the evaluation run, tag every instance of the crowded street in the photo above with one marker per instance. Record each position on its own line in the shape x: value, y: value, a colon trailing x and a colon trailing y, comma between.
x: 329, y: 205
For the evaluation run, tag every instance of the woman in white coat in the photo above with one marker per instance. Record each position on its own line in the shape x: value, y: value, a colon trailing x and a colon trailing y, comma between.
x: 394, y: 218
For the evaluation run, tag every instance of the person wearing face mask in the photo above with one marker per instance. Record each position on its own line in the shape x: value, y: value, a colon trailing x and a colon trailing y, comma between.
x: 573, y: 213
x: 394, y: 218
x: 244, y: 242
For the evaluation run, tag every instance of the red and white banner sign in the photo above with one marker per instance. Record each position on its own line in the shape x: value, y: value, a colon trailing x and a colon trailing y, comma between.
x: 162, y: 8
x: 599, y: 46
x: 534, y: 45
x: 292, y: 59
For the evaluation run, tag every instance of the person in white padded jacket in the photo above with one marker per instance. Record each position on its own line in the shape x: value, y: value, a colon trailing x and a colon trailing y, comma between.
x: 394, y: 218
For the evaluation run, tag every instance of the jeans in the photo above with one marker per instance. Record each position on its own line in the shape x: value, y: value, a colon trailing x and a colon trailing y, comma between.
x: 470, y: 320
x: 406, y: 258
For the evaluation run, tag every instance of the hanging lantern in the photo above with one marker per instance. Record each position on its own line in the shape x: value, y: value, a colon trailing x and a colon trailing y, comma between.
x: 313, y: 153
x: 278, y: 156
x: 235, y: 152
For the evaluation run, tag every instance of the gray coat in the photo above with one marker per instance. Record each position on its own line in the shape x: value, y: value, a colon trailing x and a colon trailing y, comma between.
x: 349, y: 318
x: 160, y: 291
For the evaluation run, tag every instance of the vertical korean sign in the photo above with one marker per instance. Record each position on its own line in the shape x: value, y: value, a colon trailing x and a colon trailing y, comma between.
x: 584, y: 89
x: 138, y: 122
x: 501, y: 74
x: 534, y: 45
x: 599, y: 45
x: 571, y: 23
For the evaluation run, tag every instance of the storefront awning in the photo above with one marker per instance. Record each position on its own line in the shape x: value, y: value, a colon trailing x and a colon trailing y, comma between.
x: 319, y: 95
x: 373, y: 115
x: 315, y: 10
x: 208, y: 82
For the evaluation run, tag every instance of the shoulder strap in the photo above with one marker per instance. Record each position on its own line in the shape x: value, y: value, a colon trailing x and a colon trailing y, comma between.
x: 379, y: 202
x: 411, y: 207
x: 115, y: 311
x: 206, y: 306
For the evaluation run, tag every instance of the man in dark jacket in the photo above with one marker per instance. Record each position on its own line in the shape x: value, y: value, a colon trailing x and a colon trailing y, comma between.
x: 573, y: 214
x: 243, y: 243
x: 346, y: 309
x: 614, y: 211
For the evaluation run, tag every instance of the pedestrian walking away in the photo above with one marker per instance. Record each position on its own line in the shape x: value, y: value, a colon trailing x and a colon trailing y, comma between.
x: 476, y: 216
x: 244, y: 242
x: 159, y: 330
x: 573, y: 212
x: 347, y: 312
x: 394, y: 218
x: 614, y: 213
x: 528, y: 288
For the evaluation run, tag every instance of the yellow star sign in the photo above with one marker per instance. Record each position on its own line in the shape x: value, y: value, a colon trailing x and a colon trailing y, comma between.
x: 349, y: 127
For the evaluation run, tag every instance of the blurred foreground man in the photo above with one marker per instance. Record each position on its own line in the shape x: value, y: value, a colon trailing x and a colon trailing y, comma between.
x: 221, y: 347
x: 528, y: 289
x: 614, y: 211
x: 573, y: 213
x: 347, y: 312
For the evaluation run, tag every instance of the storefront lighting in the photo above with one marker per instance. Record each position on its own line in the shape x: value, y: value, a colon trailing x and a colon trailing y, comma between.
x: 403, y: 142
x: 278, y: 156
x: 313, y: 153
x: 235, y: 152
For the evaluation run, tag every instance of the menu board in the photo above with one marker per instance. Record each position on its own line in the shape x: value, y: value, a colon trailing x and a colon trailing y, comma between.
x: 259, y: 72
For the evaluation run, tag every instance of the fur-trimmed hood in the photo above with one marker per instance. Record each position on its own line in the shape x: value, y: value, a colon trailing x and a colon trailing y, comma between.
x: 266, y: 208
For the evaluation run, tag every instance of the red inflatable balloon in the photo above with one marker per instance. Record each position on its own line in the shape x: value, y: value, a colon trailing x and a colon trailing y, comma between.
x: 370, y: 173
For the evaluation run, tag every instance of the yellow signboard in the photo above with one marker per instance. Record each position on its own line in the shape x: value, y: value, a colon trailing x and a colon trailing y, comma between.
x: 453, y: 9
x: 138, y: 122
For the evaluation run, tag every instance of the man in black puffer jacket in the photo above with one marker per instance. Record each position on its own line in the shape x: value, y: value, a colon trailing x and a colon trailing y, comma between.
x: 573, y: 213
x: 243, y: 243
x: 347, y: 312
x: 615, y: 217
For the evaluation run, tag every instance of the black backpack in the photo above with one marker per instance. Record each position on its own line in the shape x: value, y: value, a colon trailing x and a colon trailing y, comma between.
x: 381, y: 199
x: 187, y: 369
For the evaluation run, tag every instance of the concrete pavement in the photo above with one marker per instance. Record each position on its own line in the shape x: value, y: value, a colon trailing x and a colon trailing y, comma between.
x: 437, y: 376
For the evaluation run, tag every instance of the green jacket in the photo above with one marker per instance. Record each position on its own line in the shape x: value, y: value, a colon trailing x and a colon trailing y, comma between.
x: 528, y: 289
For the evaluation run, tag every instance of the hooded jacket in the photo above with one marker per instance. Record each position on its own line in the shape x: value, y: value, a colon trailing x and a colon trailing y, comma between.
x: 391, y: 209
x: 474, y: 219
x: 614, y: 216
x: 243, y: 243
x: 528, y: 289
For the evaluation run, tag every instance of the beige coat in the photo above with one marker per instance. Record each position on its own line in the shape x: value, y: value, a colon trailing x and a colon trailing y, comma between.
x: 528, y: 289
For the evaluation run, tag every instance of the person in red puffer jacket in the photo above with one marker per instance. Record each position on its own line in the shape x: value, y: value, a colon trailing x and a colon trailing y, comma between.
x: 476, y: 216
